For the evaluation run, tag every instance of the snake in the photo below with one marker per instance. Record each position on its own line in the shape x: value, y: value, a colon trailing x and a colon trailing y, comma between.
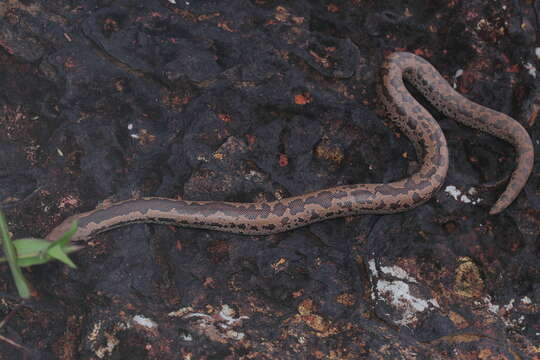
x: 402, y: 109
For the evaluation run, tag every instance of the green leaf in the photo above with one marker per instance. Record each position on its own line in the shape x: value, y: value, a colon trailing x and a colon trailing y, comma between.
x: 58, y: 253
x: 57, y: 248
x: 11, y: 255
x: 31, y: 251
x: 64, y: 239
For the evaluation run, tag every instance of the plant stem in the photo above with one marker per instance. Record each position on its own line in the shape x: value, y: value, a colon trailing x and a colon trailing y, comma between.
x: 11, y: 255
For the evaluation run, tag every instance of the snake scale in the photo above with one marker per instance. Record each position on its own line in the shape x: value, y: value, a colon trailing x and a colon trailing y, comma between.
x: 277, y: 216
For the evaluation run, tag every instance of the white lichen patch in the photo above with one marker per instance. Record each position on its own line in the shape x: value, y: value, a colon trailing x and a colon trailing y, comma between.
x: 102, y: 350
x: 144, y: 322
x: 218, y: 326
x: 227, y: 314
x: 397, y: 272
x: 186, y: 337
x: 468, y: 198
x: 398, y: 292
x: 373, y: 268
x: 507, y: 313
x: 235, y: 335
x: 510, y: 305
x: 457, y: 75
x: 181, y: 312
x: 202, y: 158
x: 197, y: 315
x: 95, y: 331
x: 493, y: 308
x: 531, y: 69
x: 400, y: 296
x: 453, y: 191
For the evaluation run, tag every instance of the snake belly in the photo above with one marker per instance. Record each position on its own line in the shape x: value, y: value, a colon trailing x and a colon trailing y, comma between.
x: 402, y: 109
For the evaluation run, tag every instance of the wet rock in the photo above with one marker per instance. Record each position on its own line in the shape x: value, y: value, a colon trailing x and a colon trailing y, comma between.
x: 254, y: 100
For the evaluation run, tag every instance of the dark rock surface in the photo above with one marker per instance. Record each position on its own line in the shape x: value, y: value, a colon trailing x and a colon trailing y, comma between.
x: 248, y: 100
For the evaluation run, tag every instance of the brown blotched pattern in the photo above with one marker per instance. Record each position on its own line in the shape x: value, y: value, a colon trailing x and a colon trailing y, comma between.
x: 277, y: 216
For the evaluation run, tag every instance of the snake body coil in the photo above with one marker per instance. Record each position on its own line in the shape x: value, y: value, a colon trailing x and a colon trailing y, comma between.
x: 282, y: 215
